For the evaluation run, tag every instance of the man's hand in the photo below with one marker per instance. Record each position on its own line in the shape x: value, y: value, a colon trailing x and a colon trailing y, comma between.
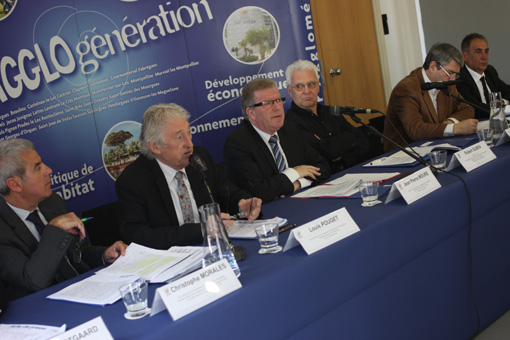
x: 465, y: 127
x: 307, y: 171
x: 113, y: 252
x: 250, y: 207
x: 70, y: 223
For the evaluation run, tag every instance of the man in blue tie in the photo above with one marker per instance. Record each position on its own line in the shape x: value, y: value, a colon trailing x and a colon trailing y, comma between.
x: 39, y: 238
x: 265, y: 156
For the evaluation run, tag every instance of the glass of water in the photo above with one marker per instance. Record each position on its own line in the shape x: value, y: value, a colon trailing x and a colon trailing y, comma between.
x: 134, y: 295
x: 268, y: 238
x: 369, y: 191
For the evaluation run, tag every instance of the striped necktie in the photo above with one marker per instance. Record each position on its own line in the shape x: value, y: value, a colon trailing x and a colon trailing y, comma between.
x: 278, y: 157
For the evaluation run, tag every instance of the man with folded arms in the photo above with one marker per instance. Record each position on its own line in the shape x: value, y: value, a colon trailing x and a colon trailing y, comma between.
x: 161, y: 191
x: 265, y: 156
x: 39, y: 240
x: 479, y: 78
x: 420, y: 114
x: 334, y: 137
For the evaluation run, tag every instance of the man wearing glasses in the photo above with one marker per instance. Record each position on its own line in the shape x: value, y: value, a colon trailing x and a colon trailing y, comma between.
x: 479, y: 78
x: 420, y: 114
x: 265, y: 156
x: 40, y: 242
x: 334, y: 137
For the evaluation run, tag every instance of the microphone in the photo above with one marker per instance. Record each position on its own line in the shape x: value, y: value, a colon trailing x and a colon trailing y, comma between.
x: 198, y: 164
x: 349, y: 110
x: 440, y: 84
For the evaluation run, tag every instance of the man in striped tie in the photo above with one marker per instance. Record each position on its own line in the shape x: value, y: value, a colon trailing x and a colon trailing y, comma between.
x: 265, y: 156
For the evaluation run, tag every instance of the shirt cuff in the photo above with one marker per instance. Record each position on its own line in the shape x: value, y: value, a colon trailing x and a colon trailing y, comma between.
x: 305, y: 182
x: 448, y: 130
x: 291, y: 174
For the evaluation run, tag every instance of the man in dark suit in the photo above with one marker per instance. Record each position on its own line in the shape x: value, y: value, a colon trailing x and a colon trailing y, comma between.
x: 419, y: 114
x: 155, y: 211
x: 265, y: 156
x: 334, y: 137
x: 478, y: 77
x: 38, y: 237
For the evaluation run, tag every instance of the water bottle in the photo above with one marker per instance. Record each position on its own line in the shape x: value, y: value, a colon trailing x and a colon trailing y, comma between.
x: 497, y: 119
x: 216, y: 244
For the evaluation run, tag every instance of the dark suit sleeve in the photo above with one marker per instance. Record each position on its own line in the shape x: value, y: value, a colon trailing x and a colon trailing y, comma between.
x: 335, y: 138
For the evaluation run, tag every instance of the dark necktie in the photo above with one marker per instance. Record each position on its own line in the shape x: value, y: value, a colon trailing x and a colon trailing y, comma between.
x: 184, y: 198
x: 278, y: 157
x: 485, y: 90
x: 36, y: 220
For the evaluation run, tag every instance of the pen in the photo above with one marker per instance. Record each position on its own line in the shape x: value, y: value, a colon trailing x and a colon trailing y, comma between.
x: 85, y: 219
x: 286, y: 228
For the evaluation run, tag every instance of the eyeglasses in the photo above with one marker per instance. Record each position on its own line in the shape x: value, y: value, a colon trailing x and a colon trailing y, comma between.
x: 450, y: 75
x: 77, y: 251
x: 269, y: 103
x: 301, y: 87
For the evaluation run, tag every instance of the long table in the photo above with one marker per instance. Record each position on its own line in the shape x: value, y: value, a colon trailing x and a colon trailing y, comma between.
x: 412, y: 272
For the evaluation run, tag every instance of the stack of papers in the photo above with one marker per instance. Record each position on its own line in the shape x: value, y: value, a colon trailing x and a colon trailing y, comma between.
x: 345, y: 186
x: 152, y: 264
x: 400, y: 158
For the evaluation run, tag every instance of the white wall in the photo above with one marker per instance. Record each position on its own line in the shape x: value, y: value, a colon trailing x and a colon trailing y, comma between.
x: 451, y: 20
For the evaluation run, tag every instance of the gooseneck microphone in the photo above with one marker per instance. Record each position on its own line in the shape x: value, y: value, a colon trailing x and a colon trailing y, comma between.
x: 349, y: 110
x: 198, y: 164
x: 440, y: 85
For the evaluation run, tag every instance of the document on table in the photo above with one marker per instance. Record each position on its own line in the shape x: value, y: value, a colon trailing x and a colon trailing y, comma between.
x: 154, y: 265
x: 29, y: 332
x: 95, y: 290
x: 400, y: 158
x: 339, y: 189
x: 246, y: 229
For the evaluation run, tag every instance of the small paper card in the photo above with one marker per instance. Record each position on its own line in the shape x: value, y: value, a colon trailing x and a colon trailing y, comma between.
x: 505, y: 137
x: 322, y: 232
x: 472, y: 157
x: 415, y: 186
x: 196, y: 290
x: 94, y: 329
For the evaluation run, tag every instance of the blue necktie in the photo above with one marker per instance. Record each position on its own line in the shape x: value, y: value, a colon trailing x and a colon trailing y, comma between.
x: 278, y: 157
x: 36, y: 220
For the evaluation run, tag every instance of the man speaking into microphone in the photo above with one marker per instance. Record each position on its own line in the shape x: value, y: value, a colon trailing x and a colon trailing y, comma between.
x: 422, y: 111
x: 325, y: 130
x: 161, y: 191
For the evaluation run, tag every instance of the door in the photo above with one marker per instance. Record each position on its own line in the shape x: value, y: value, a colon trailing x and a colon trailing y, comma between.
x: 346, y: 41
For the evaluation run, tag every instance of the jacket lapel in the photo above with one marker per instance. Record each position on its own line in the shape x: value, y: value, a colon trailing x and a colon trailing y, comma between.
x: 262, y: 147
x: 19, y: 227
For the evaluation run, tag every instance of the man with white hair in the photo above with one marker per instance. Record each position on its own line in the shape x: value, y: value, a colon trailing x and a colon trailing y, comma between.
x: 160, y: 192
x: 333, y: 137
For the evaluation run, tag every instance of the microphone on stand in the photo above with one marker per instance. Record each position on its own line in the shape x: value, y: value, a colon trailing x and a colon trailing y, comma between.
x: 440, y: 85
x: 349, y: 110
x: 198, y: 164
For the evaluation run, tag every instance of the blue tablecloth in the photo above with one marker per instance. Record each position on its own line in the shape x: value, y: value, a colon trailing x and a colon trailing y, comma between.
x: 405, y: 275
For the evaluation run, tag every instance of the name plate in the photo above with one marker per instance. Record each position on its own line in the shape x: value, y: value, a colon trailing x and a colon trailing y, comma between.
x: 505, y: 137
x: 196, y: 290
x: 415, y: 186
x: 322, y: 232
x: 94, y: 329
x: 472, y: 157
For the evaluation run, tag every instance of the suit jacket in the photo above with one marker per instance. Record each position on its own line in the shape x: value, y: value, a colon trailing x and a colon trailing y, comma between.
x: 469, y: 90
x: 340, y: 143
x: 147, y: 211
x: 26, y: 265
x: 251, y: 165
x: 412, y: 113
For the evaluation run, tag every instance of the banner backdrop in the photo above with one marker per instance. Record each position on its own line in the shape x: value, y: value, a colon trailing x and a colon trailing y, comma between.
x: 77, y: 76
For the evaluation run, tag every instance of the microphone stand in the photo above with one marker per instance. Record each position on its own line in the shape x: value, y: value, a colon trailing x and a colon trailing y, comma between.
x: 238, y: 250
x: 398, y: 146
x: 460, y: 99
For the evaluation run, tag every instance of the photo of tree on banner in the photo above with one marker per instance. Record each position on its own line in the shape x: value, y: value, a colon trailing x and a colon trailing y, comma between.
x: 251, y: 35
x: 121, y: 147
